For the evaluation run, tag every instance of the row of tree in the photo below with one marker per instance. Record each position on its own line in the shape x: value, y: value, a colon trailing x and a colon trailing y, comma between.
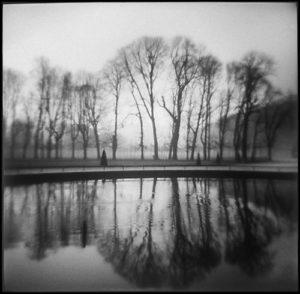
x: 198, y: 93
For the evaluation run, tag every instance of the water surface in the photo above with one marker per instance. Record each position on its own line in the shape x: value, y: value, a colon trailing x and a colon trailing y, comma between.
x: 153, y: 234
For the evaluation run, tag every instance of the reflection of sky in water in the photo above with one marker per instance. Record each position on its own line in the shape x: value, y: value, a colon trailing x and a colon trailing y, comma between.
x: 87, y: 270
x: 126, y: 234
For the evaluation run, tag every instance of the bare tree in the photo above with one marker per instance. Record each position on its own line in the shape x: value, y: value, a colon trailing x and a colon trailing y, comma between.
x: 12, y: 85
x: 114, y: 75
x: 42, y: 70
x: 140, y: 117
x: 145, y: 57
x: 274, y: 113
x: 82, y: 117
x: 189, y: 114
x: 54, y: 105
x: 62, y: 115
x: 172, y: 114
x: 257, y: 129
x: 72, y: 114
x: 224, y: 110
x: 251, y: 75
x: 29, y: 123
x: 95, y: 109
x: 209, y: 67
x: 89, y: 109
x: 199, y: 105
x: 237, y: 124
x: 208, y: 71
x: 128, y: 75
x: 184, y: 64
x: 39, y: 128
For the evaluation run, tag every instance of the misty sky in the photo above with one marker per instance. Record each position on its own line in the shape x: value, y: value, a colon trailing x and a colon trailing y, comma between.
x: 84, y: 36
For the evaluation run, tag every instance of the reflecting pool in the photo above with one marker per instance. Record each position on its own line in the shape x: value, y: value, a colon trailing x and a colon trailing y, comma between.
x: 194, y: 234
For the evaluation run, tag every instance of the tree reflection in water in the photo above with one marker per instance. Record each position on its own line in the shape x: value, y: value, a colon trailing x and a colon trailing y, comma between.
x: 60, y: 217
x: 43, y: 235
x: 195, y: 252
x: 189, y: 252
x: 138, y: 262
x: 162, y: 236
x: 250, y: 236
x: 85, y: 211
x: 64, y: 217
x: 11, y: 224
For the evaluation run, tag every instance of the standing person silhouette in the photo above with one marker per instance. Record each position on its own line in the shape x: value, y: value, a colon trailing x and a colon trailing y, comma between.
x: 103, y: 161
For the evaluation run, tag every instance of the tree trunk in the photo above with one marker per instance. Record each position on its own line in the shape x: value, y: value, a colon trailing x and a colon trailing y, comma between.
x: 171, y: 151
x: 221, y: 147
x: 245, y: 137
x: 188, y: 130
x: 208, y: 135
x: 253, y: 155
x: 42, y: 144
x: 49, y: 146
x: 155, y: 139
x: 142, y: 134
x: 236, y: 137
x: 73, y: 149
x: 175, y: 146
x: 74, y: 136
x: 84, y: 150
x: 269, y: 152
x: 187, y: 143
x: 13, y: 141
x: 197, y: 127
x: 56, y: 148
x: 61, y: 148
x: 36, y: 136
x: 195, y: 134
x: 171, y: 148
x: 236, y: 149
x: 84, y: 143
x: 27, y: 139
x: 204, y: 142
x: 36, y: 144
x: 203, y: 137
x: 115, y: 145
x: 194, y: 142
x: 177, y: 124
x: 97, y: 142
x: 142, y: 145
x: 193, y: 146
x: 176, y: 138
x: 221, y: 138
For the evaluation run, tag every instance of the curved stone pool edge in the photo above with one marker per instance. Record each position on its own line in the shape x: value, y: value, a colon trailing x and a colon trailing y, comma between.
x: 28, y: 176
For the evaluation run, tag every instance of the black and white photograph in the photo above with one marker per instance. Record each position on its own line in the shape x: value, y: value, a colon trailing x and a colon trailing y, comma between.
x: 150, y: 146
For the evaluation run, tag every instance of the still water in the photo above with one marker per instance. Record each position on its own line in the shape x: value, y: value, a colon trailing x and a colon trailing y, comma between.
x: 152, y: 234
